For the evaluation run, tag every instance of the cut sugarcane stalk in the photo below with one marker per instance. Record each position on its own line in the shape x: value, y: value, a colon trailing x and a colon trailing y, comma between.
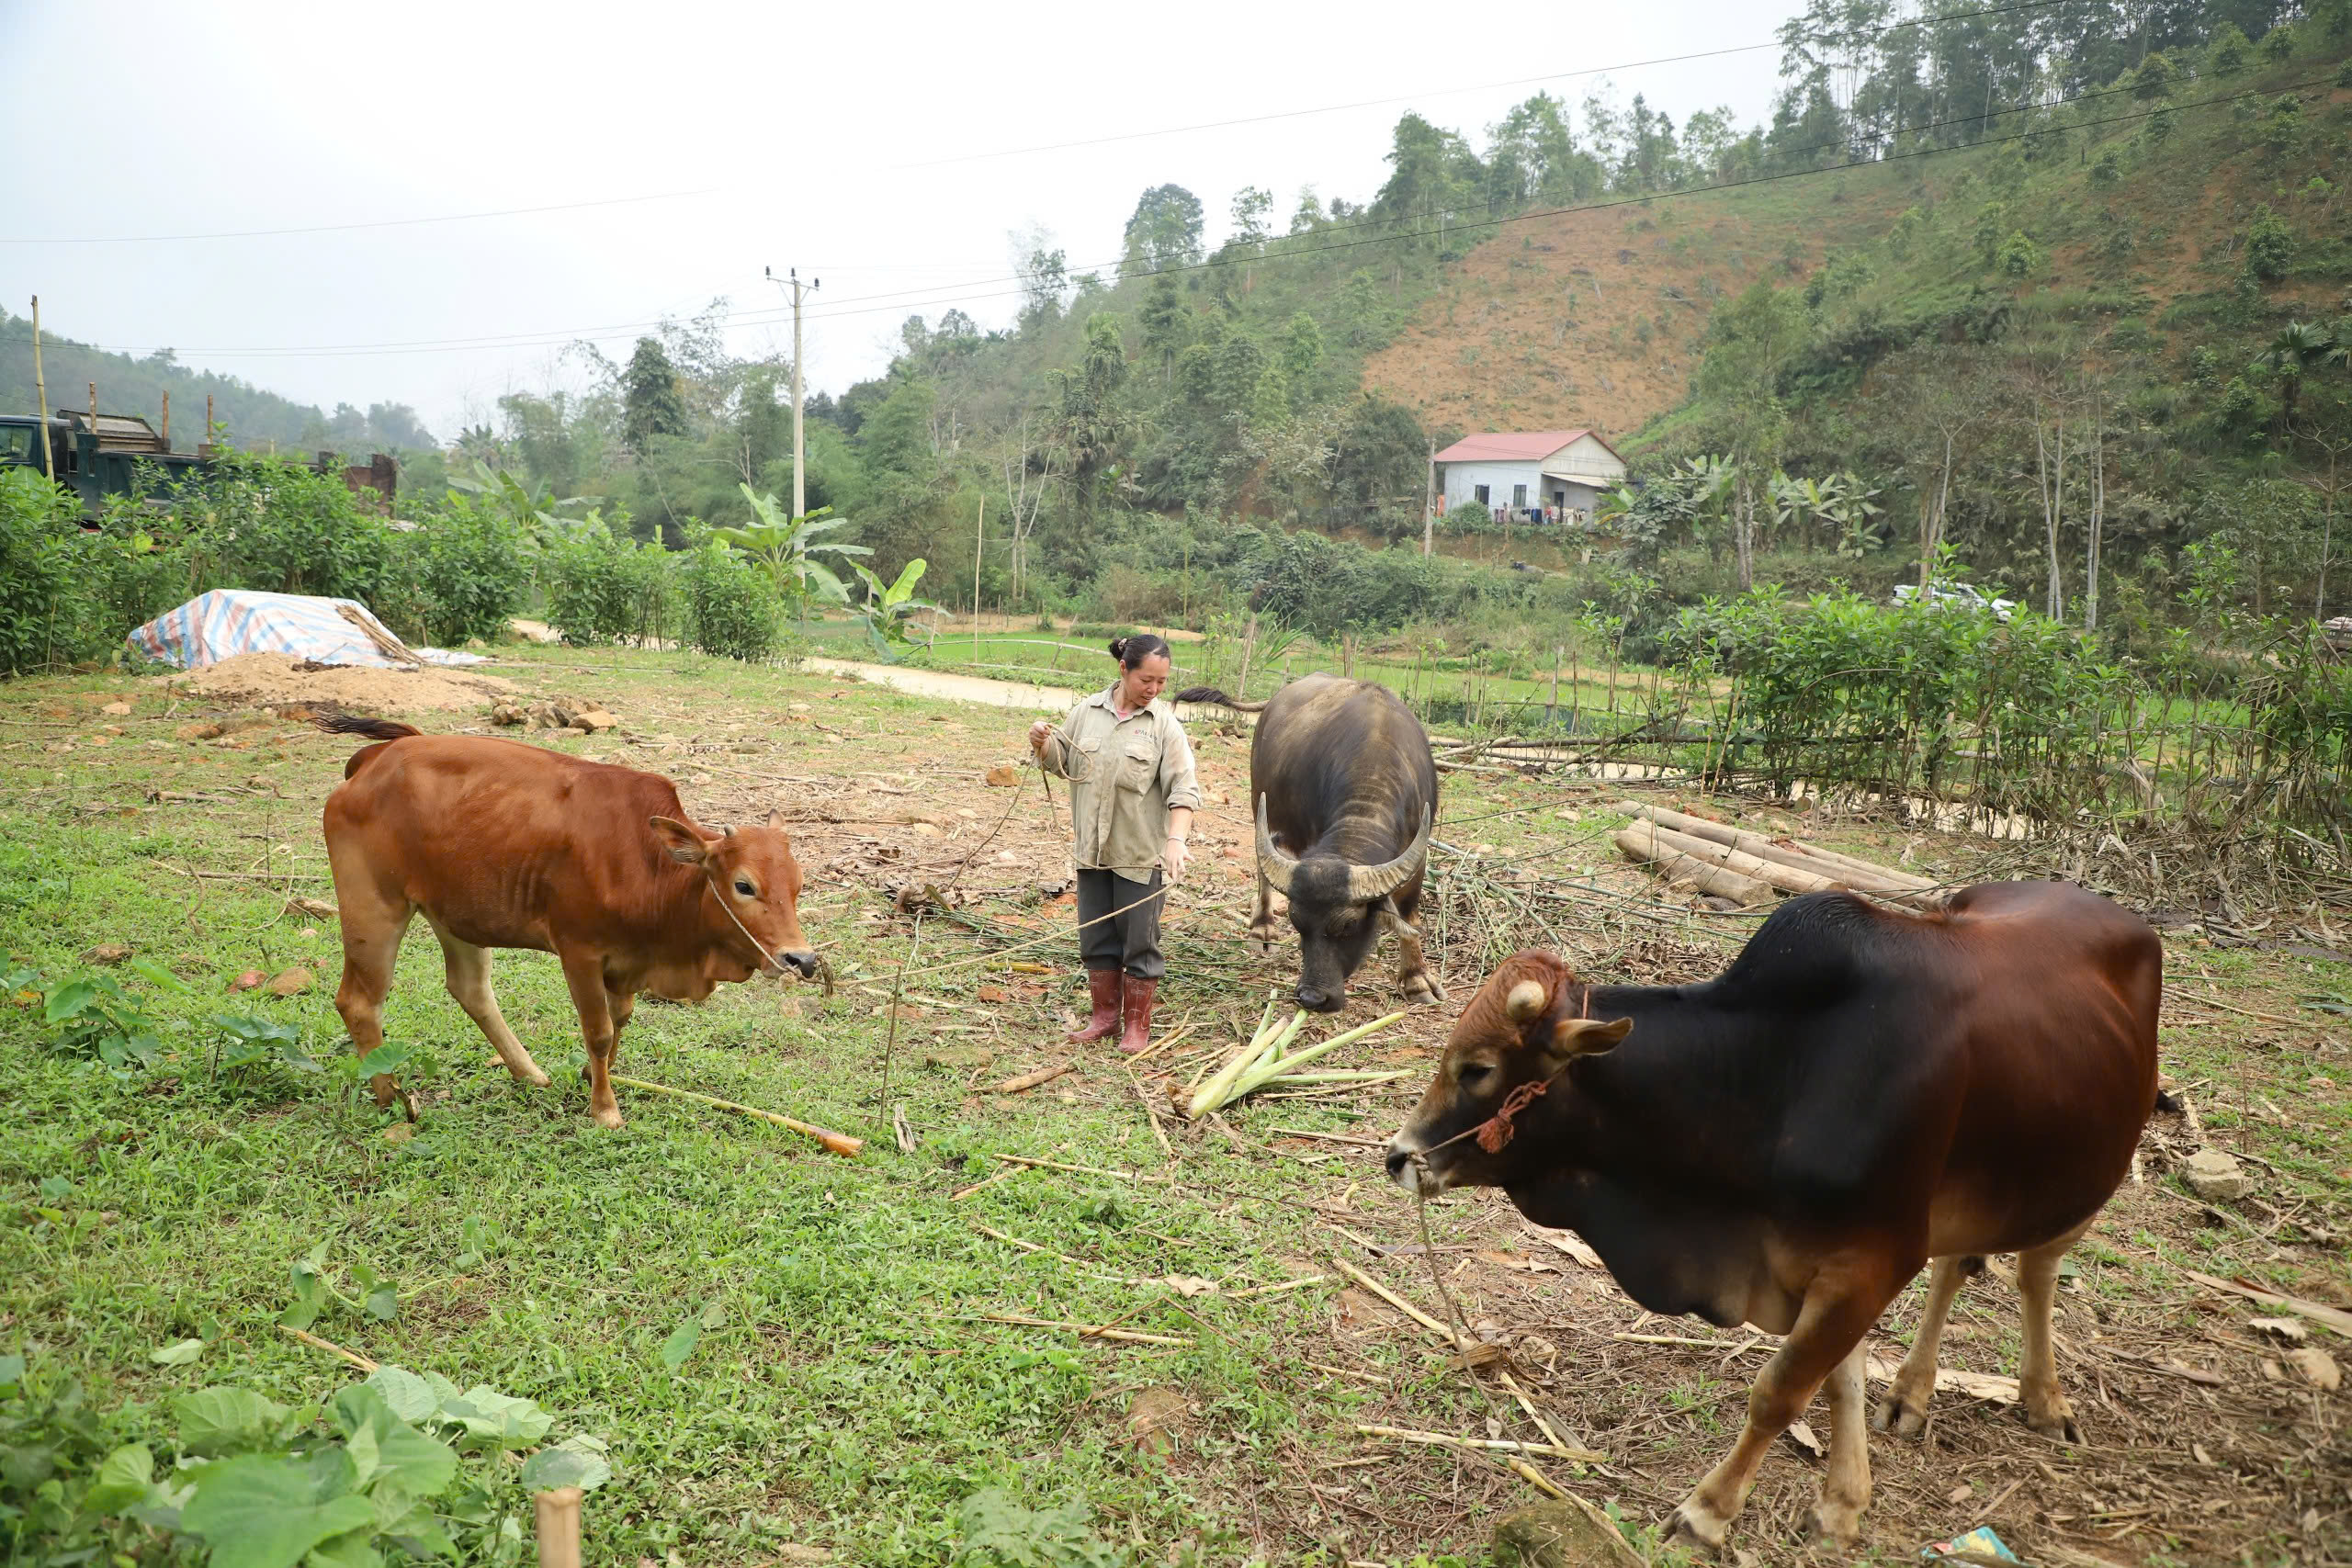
x: 1261, y: 1063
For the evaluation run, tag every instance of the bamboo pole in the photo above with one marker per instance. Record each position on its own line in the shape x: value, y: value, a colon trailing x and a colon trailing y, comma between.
x: 41, y: 390
x: 839, y: 1143
x: 1637, y: 845
x: 1801, y: 856
x: 1787, y: 878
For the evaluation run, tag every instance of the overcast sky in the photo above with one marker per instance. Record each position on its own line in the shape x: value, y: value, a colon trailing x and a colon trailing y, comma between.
x: 885, y: 148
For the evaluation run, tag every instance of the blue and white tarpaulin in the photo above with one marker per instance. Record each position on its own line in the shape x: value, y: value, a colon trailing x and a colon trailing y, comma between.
x: 229, y: 621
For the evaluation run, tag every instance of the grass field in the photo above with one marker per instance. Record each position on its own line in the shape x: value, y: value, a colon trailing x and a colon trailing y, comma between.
x: 844, y: 1389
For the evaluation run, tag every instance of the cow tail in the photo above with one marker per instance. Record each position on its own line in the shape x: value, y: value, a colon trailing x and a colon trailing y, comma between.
x: 1210, y: 695
x: 373, y: 729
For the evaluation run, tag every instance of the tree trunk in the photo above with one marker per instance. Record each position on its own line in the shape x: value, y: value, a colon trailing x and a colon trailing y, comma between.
x: 2098, y: 514
x: 1744, y: 531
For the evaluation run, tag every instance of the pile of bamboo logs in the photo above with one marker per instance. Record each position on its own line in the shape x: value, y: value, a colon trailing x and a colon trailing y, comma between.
x: 1750, y: 868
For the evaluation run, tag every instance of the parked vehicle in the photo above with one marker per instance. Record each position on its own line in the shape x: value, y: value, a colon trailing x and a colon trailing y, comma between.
x: 1957, y: 596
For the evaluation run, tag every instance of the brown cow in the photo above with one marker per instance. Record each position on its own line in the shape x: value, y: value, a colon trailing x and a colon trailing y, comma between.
x: 1860, y: 1091
x: 508, y: 845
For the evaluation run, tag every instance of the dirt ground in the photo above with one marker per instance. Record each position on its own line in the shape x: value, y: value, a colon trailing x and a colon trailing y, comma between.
x: 2211, y: 1438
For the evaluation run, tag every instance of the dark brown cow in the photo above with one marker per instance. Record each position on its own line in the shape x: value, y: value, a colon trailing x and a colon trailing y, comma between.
x: 502, y: 844
x: 1859, y: 1092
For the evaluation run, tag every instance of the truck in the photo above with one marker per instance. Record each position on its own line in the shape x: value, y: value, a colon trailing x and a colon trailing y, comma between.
x: 95, y: 455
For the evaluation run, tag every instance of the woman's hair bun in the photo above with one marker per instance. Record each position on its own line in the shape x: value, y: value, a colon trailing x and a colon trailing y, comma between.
x: 1118, y: 648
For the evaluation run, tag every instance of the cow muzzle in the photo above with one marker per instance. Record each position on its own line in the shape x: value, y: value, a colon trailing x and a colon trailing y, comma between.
x: 804, y: 964
x: 1404, y: 1167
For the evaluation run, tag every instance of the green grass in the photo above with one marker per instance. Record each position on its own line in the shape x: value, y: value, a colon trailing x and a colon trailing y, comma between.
x: 847, y: 1391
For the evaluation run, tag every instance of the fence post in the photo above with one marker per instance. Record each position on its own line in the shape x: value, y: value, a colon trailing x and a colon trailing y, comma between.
x: 1552, y: 708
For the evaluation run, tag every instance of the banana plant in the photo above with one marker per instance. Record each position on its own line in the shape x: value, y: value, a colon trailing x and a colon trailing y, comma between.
x: 786, y: 548
x: 888, y: 610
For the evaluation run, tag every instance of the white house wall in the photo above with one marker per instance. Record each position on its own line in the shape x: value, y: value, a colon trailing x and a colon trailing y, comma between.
x: 1585, y: 458
x: 1461, y: 479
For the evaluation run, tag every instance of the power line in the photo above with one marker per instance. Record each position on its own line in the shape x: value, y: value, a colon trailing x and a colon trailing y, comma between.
x: 906, y: 299
x: 1006, y: 153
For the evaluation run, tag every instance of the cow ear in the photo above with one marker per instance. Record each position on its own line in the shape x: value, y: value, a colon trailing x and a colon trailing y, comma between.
x: 686, y: 845
x: 1588, y: 1037
x: 775, y: 821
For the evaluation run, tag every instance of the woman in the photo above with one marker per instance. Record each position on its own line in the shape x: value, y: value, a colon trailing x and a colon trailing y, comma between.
x: 1131, y: 795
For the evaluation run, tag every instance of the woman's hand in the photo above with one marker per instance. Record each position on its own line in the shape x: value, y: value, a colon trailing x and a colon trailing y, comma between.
x: 1039, y: 733
x: 1173, y: 858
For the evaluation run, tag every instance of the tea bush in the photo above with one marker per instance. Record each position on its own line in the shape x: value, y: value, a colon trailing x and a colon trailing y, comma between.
x: 601, y: 589
x: 731, y: 609
x: 470, y: 573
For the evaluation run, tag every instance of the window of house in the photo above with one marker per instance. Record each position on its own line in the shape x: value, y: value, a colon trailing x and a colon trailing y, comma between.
x: 1478, y: 493
x: 1518, y: 496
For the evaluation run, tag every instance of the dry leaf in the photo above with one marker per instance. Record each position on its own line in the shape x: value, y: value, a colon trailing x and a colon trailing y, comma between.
x: 1516, y: 1264
x: 1152, y: 1414
x: 317, y: 908
x: 1959, y: 1493
x: 1003, y: 776
x: 1569, y: 1243
x: 2291, y: 1330
x: 290, y: 982
x: 106, y: 953
x: 115, y: 708
x: 1191, y: 1285
x: 400, y: 1131
x: 992, y: 994
x: 1802, y: 1435
x: 2318, y: 1368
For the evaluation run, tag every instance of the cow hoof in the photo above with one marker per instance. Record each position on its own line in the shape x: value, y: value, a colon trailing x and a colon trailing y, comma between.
x: 2057, y: 1424
x: 1902, y: 1420
x: 1421, y: 990
x: 1693, y: 1521
x: 1834, y: 1522
x: 608, y: 1120
x: 537, y: 1078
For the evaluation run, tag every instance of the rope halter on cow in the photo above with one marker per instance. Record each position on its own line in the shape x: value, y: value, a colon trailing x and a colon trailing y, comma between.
x: 770, y: 962
x: 1495, y: 1134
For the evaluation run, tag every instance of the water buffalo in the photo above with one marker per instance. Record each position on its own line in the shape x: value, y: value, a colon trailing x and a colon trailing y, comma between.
x: 1346, y: 793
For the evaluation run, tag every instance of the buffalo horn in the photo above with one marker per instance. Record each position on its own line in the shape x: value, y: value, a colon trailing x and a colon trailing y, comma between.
x: 1366, y: 883
x: 1273, y: 864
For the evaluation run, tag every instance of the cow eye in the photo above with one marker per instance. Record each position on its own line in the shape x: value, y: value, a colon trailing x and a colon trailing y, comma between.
x: 743, y: 886
x: 1470, y: 1075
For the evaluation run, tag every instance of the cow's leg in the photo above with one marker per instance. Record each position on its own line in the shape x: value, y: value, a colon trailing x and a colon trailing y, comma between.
x: 1413, y: 976
x: 374, y: 920
x: 1846, y: 1488
x: 1905, y: 1413
x: 2047, y: 1409
x: 1838, y: 1312
x: 1262, y: 929
x: 584, y: 973
x: 467, y: 968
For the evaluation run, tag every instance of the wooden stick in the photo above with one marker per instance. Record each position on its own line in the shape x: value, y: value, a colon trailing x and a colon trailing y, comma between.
x: 1636, y: 844
x: 1088, y: 1331
x: 961, y: 1193
x: 1276, y: 1290
x: 1772, y: 874
x: 559, y: 1527
x: 1080, y: 1169
x: 1028, y: 1081
x: 838, y: 1143
x: 1392, y: 1298
x: 2327, y: 1317
x: 1798, y: 856
x: 330, y: 1346
x: 1151, y: 1114
x: 1492, y: 1445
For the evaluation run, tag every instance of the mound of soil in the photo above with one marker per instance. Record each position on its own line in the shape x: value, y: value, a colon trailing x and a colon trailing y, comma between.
x: 269, y: 679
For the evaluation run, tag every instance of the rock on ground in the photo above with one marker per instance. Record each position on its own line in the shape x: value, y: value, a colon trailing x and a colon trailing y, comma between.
x: 2215, y: 1177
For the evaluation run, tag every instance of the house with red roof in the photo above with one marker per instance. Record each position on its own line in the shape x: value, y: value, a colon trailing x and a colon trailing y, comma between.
x: 1519, y: 472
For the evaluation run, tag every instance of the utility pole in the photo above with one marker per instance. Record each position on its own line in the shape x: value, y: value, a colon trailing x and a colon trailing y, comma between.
x: 1429, y: 506
x: 792, y: 285
x: 41, y: 390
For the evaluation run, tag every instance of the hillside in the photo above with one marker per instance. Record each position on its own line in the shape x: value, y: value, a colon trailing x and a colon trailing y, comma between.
x: 255, y: 419
x: 1598, y: 317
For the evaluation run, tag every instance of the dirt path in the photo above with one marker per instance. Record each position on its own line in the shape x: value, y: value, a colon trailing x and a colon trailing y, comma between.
x: 954, y: 688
